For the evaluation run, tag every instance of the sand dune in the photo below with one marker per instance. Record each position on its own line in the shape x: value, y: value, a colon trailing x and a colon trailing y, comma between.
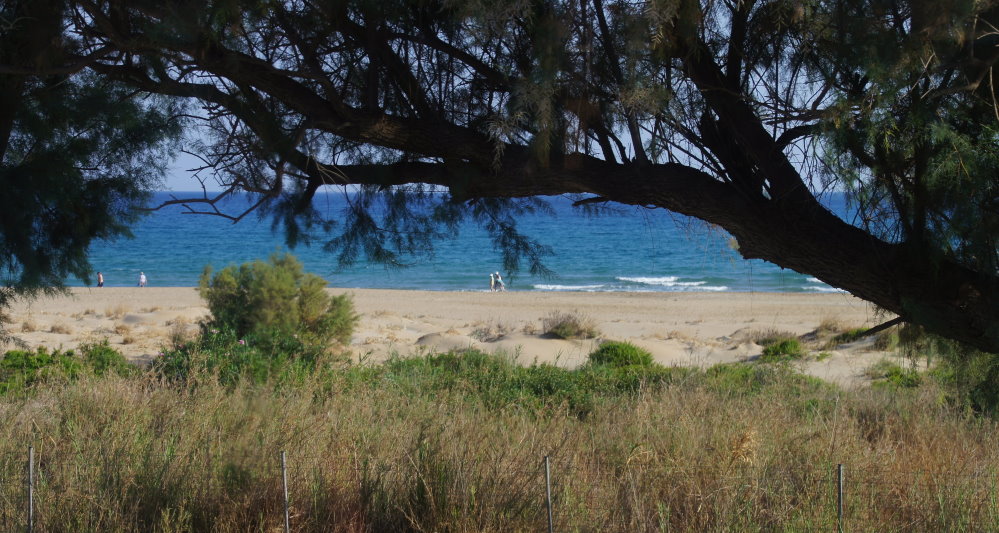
x: 678, y: 328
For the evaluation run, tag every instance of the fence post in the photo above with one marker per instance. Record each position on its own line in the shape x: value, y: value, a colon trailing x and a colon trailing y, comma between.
x: 31, y: 489
x: 284, y: 483
x: 839, y: 497
x: 548, y: 494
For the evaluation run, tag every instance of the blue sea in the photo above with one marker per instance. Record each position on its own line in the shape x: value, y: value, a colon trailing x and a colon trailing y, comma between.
x: 631, y: 249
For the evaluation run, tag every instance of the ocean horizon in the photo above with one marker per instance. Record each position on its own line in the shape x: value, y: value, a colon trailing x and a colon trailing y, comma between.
x: 631, y: 249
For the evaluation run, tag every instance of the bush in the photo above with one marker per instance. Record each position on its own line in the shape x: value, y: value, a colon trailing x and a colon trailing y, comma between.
x: 276, y: 297
x: 619, y: 354
x: 101, y: 358
x: 769, y: 336
x: 782, y: 349
x: 229, y: 358
x: 21, y: 369
x: 569, y: 325
x: 970, y: 376
x: 748, y: 379
x: 887, y: 373
x: 499, y: 383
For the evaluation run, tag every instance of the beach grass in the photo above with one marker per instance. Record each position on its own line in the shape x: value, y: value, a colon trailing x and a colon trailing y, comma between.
x: 456, y: 441
x: 569, y: 325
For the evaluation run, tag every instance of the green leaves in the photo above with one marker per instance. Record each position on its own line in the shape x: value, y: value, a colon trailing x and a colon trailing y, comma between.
x: 276, y: 296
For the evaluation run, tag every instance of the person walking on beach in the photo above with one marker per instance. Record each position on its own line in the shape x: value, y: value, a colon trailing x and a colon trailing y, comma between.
x: 100, y: 279
x: 492, y: 282
x: 499, y: 283
x: 142, y: 279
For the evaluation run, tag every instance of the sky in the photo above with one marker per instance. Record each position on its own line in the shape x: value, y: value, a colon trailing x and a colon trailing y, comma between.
x: 179, y: 179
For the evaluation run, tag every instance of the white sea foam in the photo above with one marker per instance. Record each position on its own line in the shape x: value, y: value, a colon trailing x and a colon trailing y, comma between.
x: 674, y: 283
x: 568, y: 287
x: 666, y: 281
x: 822, y: 289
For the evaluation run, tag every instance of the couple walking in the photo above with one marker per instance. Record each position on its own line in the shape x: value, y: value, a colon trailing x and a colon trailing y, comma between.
x: 496, y: 282
x: 142, y: 279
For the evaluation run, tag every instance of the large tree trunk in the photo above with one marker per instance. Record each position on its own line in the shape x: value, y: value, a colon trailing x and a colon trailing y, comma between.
x: 934, y: 292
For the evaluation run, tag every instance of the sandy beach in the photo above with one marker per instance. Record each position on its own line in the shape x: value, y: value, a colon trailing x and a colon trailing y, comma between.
x: 694, y: 328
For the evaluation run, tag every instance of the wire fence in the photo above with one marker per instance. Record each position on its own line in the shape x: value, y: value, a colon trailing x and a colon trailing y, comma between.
x: 552, y: 493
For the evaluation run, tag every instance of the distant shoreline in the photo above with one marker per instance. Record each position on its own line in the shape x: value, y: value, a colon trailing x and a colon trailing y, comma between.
x: 508, y: 289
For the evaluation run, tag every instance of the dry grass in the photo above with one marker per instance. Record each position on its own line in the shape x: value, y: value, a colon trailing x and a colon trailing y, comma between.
x: 769, y: 336
x: 61, y: 329
x: 118, y: 311
x: 569, y: 325
x: 181, y: 331
x: 830, y: 326
x: 492, y: 331
x: 388, y: 458
x: 28, y: 326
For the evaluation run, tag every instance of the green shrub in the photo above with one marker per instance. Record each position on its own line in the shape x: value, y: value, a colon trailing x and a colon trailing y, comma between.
x: 970, y: 377
x: 782, y: 350
x: 102, y: 359
x: 498, y: 383
x: 228, y: 357
x: 572, y: 325
x: 616, y: 353
x: 742, y: 379
x: 276, y: 296
x: 887, y: 373
x: 21, y: 369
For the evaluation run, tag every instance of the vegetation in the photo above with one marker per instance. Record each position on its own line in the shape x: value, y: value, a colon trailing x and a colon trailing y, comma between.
x: 848, y: 336
x: 970, y: 377
x: 22, y: 369
x: 230, y: 358
x: 78, y: 152
x: 620, y: 354
x: 569, y: 325
x: 270, y: 322
x: 276, y: 298
x: 769, y: 336
x: 454, y: 441
x: 887, y: 373
x: 783, y: 349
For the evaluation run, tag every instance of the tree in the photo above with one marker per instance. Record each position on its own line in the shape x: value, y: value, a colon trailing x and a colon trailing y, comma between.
x: 78, y: 152
x: 277, y: 297
x: 736, y: 112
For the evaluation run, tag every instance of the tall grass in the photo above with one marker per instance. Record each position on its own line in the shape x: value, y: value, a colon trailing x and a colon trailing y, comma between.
x: 454, y: 442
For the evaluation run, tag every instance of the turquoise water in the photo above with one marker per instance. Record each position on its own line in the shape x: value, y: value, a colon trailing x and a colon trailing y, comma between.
x: 632, y: 249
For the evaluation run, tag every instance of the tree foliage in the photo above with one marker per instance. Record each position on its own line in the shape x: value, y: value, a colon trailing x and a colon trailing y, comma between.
x: 277, y: 296
x: 78, y: 152
x: 740, y: 113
